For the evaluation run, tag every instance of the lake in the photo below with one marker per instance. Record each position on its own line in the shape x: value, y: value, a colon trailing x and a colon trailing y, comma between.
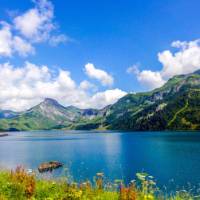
x: 172, y: 157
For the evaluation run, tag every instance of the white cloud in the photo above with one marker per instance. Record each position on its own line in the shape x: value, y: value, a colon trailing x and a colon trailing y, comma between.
x: 35, y: 25
x: 22, y: 47
x: 24, y: 87
x: 98, y: 74
x: 147, y: 78
x: 133, y: 70
x: 86, y: 85
x: 150, y: 79
x: 108, y: 97
x: 185, y: 60
x: 10, y: 44
x: 55, y: 40
x: 5, y: 40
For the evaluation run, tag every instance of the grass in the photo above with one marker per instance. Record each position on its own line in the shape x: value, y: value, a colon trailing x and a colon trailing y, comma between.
x: 177, y: 113
x: 20, y: 185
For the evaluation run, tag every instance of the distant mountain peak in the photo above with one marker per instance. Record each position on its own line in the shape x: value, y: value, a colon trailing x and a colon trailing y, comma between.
x: 197, y: 71
x: 50, y: 101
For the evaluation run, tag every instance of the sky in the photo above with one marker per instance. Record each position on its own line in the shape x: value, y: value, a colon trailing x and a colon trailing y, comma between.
x: 91, y: 53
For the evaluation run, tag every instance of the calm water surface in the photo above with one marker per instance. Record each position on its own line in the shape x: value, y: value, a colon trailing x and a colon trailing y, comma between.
x: 167, y: 156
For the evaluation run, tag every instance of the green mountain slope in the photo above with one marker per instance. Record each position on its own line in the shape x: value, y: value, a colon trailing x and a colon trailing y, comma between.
x: 51, y: 115
x: 174, y: 106
x: 6, y: 114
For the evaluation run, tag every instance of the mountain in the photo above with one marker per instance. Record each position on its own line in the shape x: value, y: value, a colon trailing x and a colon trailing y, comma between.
x: 49, y: 114
x: 7, y: 114
x: 174, y: 106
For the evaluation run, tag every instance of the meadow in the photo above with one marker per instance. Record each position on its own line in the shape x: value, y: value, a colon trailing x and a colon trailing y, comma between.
x: 19, y: 184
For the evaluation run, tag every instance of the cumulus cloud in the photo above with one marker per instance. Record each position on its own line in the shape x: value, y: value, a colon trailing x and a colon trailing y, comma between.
x: 107, y: 97
x: 22, y: 47
x: 5, y: 40
x: 150, y: 79
x: 98, y: 74
x: 147, y: 78
x: 10, y: 44
x: 35, y: 25
x: 24, y: 87
x: 86, y: 85
x: 185, y: 60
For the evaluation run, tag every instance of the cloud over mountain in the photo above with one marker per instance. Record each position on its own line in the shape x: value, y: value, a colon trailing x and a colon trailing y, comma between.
x: 24, y: 87
x: 185, y: 60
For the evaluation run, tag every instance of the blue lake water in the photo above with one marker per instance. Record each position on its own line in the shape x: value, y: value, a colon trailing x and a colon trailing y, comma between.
x: 167, y: 156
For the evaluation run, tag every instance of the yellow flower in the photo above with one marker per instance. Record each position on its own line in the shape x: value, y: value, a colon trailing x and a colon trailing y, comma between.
x: 148, y: 197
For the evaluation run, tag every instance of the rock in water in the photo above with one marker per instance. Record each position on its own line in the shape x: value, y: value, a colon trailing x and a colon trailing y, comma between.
x: 49, y: 166
x: 3, y: 134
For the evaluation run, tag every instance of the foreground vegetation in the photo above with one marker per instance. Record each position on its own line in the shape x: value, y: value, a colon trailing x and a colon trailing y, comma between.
x: 20, y: 185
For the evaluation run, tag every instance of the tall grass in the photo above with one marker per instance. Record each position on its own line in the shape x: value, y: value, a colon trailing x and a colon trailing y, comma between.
x: 20, y: 185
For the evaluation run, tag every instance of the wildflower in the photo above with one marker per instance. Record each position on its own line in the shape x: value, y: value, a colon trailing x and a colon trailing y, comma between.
x: 141, y: 176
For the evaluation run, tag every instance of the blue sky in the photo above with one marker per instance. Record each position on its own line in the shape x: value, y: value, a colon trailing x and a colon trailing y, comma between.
x: 113, y: 36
